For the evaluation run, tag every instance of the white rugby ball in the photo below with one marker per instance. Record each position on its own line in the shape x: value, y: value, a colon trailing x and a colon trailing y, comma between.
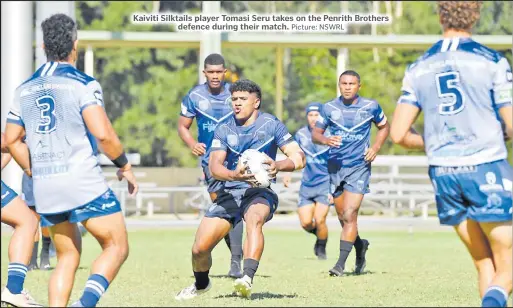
x: 254, y: 160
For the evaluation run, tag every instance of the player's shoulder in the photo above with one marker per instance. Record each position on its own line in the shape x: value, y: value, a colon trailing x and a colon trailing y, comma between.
x: 432, y: 51
x: 330, y: 104
x: 302, y: 131
x: 57, y: 69
x: 368, y: 102
x: 267, y: 117
x: 197, y: 92
x: 470, y: 46
x: 226, y: 125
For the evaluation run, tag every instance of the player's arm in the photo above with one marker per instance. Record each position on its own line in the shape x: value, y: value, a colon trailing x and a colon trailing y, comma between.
x: 295, y: 160
x: 187, y: 114
x: 99, y: 125
x: 319, y: 129
x: 506, y: 113
x: 503, y: 97
x: 381, y: 122
x: 405, y: 114
x: 6, y: 156
x: 14, y: 133
x: 221, y: 173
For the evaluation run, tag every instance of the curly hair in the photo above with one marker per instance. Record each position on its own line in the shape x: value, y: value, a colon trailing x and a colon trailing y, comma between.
x: 459, y: 15
x: 246, y: 85
x: 59, y: 34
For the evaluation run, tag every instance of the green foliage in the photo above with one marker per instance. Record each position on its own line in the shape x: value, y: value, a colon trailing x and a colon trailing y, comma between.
x: 143, y: 87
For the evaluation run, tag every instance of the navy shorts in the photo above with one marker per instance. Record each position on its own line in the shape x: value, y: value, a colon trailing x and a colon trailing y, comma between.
x: 104, y: 205
x: 7, y: 194
x: 213, y: 185
x: 312, y: 195
x: 232, y: 204
x: 353, y: 179
x: 481, y: 193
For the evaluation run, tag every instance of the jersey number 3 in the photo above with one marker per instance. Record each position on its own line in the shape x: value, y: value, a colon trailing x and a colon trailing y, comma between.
x: 450, y: 93
x: 46, y: 105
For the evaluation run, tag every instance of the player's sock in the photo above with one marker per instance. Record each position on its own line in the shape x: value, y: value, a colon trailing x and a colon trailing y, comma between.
x: 495, y: 296
x: 236, y: 241
x: 228, y: 241
x: 16, y: 273
x: 321, y: 243
x: 321, y: 247
x: 45, y: 250
x: 250, y: 268
x: 345, y: 249
x: 202, y: 280
x: 358, y: 245
x: 95, y: 287
x: 35, y: 251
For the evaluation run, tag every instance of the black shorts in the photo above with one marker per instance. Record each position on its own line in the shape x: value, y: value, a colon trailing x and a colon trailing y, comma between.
x: 233, y: 204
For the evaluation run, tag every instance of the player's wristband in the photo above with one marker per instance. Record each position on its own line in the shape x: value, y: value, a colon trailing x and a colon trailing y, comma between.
x: 121, y: 161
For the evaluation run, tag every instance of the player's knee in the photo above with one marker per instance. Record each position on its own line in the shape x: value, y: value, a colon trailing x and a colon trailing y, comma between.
x: 306, y: 224
x: 254, y: 219
x: 348, y: 216
x: 200, y: 250
x: 320, y: 219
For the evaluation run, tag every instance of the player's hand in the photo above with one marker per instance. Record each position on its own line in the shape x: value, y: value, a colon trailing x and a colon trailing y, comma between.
x: 370, y: 155
x: 271, y: 168
x: 126, y: 173
x: 286, y: 180
x: 199, y: 149
x: 240, y: 174
x: 334, y: 141
x: 330, y: 199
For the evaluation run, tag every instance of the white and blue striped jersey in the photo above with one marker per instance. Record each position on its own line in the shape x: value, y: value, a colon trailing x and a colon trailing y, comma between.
x: 460, y: 85
x: 65, y: 168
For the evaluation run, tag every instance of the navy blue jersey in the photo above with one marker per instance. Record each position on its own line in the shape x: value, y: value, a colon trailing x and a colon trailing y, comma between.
x: 315, y: 172
x: 353, y: 123
x: 266, y: 135
x: 209, y: 110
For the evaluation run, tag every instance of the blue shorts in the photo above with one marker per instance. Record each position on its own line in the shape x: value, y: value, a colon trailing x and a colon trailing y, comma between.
x: 213, y: 185
x: 353, y: 179
x: 311, y: 195
x: 481, y: 193
x: 7, y: 194
x: 104, y: 205
x: 233, y: 204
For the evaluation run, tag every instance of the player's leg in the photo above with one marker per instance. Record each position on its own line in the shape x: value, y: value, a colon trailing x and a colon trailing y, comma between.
x: 500, y: 238
x: 347, y: 205
x: 17, y: 215
x: 35, y: 250
x: 258, y: 205
x: 214, y: 226
x: 44, y: 262
x: 475, y: 240
x: 68, y: 245
x: 305, y: 213
x: 320, y: 214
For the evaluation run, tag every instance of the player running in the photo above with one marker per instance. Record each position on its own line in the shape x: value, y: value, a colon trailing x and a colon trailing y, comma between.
x: 248, y: 128
x: 60, y: 109
x: 314, y: 196
x: 459, y: 83
x: 349, y: 118
x: 210, y: 104
x: 16, y: 214
x: 28, y: 197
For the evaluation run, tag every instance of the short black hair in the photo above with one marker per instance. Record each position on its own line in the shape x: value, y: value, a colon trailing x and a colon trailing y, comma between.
x: 213, y: 59
x: 246, y: 85
x: 350, y: 73
x: 59, y: 34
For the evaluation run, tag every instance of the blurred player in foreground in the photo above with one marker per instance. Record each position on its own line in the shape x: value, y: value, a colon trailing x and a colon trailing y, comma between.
x: 349, y: 119
x: 460, y: 83
x: 60, y: 109
x: 28, y: 197
x: 314, y: 194
x: 16, y: 214
x: 247, y: 129
x: 210, y: 104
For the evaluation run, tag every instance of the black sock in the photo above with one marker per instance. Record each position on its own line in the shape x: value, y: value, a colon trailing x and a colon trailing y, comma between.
x: 358, y: 246
x: 45, y: 250
x: 35, y: 249
x: 345, y: 249
x: 202, y: 280
x: 250, y: 267
x: 321, y: 243
x: 236, y: 241
x: 227, y: 241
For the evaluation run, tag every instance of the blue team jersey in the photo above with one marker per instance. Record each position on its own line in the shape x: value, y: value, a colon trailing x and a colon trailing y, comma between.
x: 209, y: 110
x: 66, y: 173
x: 266, y: 135
x: 315, y: 172
x: 459, y: 83
x: 353, y: 123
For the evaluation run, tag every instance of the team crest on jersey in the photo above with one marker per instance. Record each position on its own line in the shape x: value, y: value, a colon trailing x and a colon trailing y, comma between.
x: 260, y: 136
x: 361, y: 115
x: 204, y: 104
x: 336, y: 114
x: 233, y: 140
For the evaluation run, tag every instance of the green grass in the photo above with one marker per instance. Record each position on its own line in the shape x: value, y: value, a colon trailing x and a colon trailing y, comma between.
x: 423, y: 269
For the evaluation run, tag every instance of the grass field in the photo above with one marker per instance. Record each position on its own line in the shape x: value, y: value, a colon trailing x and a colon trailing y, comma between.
x: 420, y: 269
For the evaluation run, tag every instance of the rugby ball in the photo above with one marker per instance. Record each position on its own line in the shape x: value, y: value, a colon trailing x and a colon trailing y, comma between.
x: 254, y: 160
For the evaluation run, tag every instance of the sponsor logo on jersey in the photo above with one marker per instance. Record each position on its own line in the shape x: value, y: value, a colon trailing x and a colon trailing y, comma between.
x: 491, y: 185
x: 209, y: 126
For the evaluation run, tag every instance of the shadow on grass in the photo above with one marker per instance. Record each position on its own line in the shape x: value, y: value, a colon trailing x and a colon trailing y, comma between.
x: 262, y: 295
x: 51, y: 268
x: 362, y: 274
x: 228, y: 277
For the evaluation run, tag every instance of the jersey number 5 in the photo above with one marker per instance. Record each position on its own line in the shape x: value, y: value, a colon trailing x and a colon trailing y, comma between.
x: 46, y: 105
x: 450, y: 93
